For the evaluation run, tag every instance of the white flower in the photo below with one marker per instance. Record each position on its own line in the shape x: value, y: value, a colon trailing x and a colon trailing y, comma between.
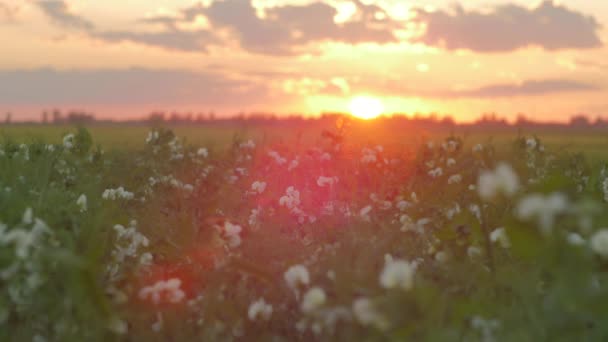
x: 599, y: 242
x: 169, y: 290
x: 249, y: 144
x: 231, y: 233
x: 260, y: 309
x: 477, y: 148
x: 118, y: 326
x: 366, y: 314
x: 291, y: 199
x: 500, y: 235
x: 325, y: 156
x: 28, y: 216
x: 277, y: 157
x: 503, y: 180
x: 293, y: 164
x: 542, y: 207
x: 531, y: 143
x: 450, y: 162
x: 364, y: 213
x: 258, y: 186
x: 68, y: 141
x: 402, y: 205
x: 473, y: 252
x: 152, y: 137
x: 369, y: 156
x: 202, y: 152
x: 442, y: 257
x: 118, y: 193
x: 295, y: 276
x: 455, y: 179
x: 575, y: 239
x: 313, y: 300
x: 398, y: 274
x: 437, y: 172
x: 81, y: 202
x: 323, y: 181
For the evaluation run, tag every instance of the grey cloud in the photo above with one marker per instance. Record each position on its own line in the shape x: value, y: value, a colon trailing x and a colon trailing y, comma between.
x: 59, y: 12
x: 510, y: 27
x: 506, y: 90
x: 286, y: 30
x: 527, y: 88
x: 173, y: 39
x: 134, y: 86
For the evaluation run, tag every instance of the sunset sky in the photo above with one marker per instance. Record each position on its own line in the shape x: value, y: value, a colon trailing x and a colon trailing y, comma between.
x: 126, y: 58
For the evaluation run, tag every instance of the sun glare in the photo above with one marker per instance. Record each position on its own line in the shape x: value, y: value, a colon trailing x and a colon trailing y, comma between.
x: 365, y: 107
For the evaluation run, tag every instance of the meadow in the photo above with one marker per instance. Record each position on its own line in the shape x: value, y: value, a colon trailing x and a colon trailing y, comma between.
x: 345, y: 233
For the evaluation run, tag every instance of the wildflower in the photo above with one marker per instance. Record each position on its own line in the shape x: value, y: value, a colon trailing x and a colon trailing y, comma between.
x: 364, y: 213
x: 258, y: 186
x: 369, y: 156
x: 486, y: 327
x: 325, y: 156
x: 323, y: 181
x: 542, y: 207
x: 81, y: 202
x: 599, y: 243
x: 291, y: 199
x: 442, y: 257
x: 313, y: 300
x: 398, y: 274
x: 231, y: 233
x: 153, y: 136
x: 575, y: 239
x: 260, y: 309
x: 249, y: 144
x: 68, y: 141
x: 28, y: 216
x: 202, y: 152
x: 453, y: 211
x: 164, y: 290
x: 531, y: 143
x: 294, y: 164
x: 277, y: 157
x: 118, y: 326
x: 402, y: 205
x: 473, y: 252
x: 437, y: 172
x: 295, y: 276
x: 502, y: 180
x: 477, y: 148
x: 118, y: 193
x: 450, y: 162
x: 500, y: 235
x: 366, y: 314
x: 454, y: 179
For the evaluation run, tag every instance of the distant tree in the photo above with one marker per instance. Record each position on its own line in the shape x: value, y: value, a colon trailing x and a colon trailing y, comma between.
x: 580, y: 120
x: 57, y: 117
x: 8, y: 118
x: 45, y: 117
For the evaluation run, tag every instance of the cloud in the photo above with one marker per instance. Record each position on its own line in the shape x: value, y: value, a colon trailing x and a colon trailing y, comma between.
x: 59, y: 12
x: 8, y: 14
x: 509, y: 27
x: 285, y: 30
x: 135, y: 86
x: 503, y: 90
x: 527, y: 88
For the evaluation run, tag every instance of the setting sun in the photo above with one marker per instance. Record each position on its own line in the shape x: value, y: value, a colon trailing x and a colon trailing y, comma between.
x: 365, y: 107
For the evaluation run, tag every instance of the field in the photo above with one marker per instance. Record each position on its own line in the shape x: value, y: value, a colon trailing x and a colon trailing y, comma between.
x: 337, y: 233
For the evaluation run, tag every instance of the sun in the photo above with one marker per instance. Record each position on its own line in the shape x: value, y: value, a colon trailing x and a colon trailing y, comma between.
x: 366, y: 107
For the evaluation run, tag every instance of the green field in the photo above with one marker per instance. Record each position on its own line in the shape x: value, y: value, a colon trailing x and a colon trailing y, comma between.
x: 184, y: 233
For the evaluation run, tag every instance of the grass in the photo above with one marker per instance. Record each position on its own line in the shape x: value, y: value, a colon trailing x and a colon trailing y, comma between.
x: 404, y: 241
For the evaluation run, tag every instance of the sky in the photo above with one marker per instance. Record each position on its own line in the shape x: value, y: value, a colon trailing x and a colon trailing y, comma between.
x: 119, y: 59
